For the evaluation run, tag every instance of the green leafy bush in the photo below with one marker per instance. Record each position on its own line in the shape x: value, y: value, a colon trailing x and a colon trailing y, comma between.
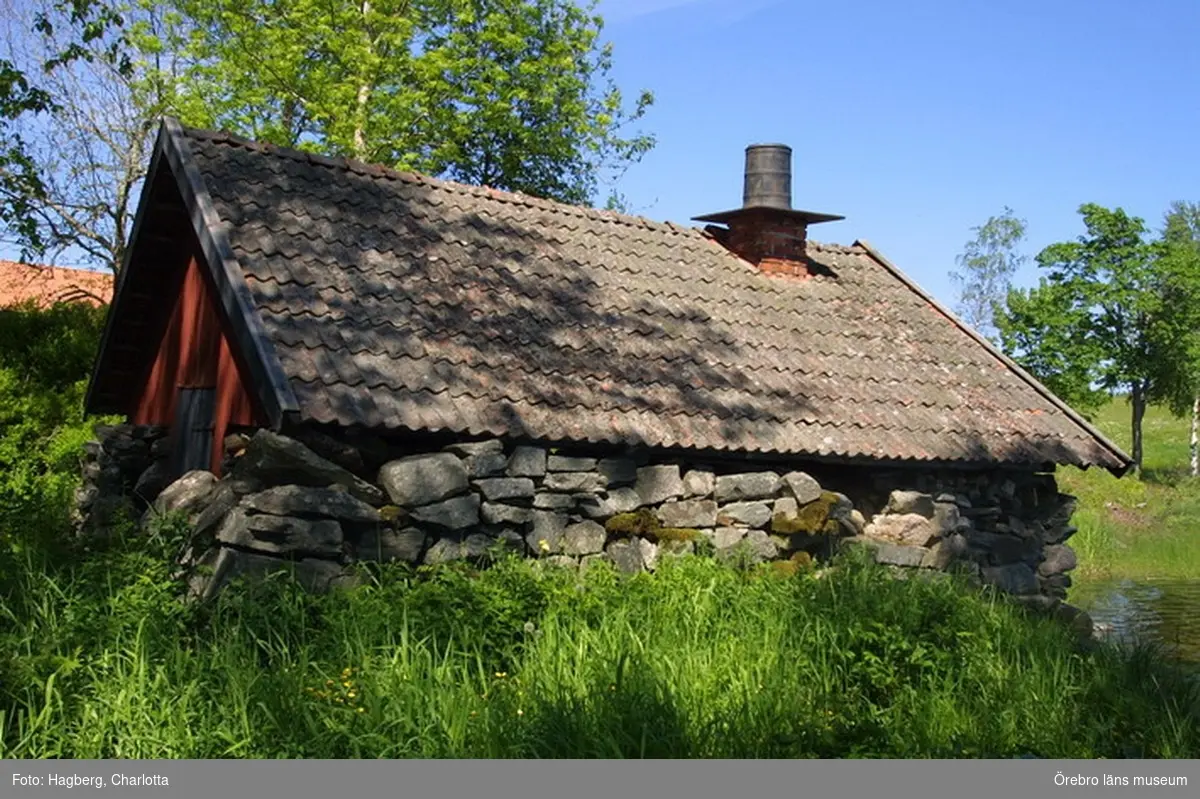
x: 46, y: 356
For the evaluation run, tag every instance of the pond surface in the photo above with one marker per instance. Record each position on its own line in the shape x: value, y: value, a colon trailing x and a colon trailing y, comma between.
x: 1166, y: 612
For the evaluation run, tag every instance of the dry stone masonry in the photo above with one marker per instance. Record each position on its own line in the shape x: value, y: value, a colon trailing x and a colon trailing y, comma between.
x: 321, y: 501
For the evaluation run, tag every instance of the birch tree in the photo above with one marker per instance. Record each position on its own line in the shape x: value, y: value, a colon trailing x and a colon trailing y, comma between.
x: 85, y: 150
x: 513, y: 94
x: 986, y: 268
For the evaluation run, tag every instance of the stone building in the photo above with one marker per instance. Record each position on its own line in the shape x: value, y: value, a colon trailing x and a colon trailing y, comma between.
x: 344, y: 361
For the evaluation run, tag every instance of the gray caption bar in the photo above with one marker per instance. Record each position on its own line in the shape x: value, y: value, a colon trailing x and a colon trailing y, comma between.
x: 555, y: 779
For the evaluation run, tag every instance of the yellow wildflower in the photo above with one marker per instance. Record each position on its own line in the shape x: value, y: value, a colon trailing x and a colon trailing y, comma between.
x: 543, y: 545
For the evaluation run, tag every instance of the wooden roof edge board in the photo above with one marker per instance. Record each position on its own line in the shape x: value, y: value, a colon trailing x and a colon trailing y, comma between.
x: 1116, y: 451
x: 91, y: 402
x: 270, y: 382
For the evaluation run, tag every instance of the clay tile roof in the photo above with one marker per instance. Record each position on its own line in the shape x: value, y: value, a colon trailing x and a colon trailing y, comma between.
x: 46, y: 285
x: 394, y: 300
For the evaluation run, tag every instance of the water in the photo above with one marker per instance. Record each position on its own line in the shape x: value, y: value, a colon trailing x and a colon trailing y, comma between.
x: 1166, y: 612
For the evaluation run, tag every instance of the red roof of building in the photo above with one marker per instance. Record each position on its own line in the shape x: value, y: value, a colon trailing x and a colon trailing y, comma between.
x: 47, y: 285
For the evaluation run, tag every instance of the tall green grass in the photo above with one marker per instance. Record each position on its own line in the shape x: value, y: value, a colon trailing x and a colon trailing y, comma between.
x: 1140, y: 529
x: 101, y: 660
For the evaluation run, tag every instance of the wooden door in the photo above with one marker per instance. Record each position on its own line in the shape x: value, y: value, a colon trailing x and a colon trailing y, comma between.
x: 192, y: 436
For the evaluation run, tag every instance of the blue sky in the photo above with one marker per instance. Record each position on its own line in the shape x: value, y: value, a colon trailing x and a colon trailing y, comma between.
x: 917, y: 120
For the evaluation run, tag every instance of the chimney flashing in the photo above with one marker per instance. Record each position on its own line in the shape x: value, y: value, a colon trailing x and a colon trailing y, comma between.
x: 807, y: 217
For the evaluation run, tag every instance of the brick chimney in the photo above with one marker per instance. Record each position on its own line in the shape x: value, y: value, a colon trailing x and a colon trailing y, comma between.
x: 766, y: 231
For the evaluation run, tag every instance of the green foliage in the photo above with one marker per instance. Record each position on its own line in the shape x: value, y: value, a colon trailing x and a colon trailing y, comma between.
x: 1111, y: 312
x: 988, y: 263
x: 33, y: 211
x: 45, y: 359
x: 1039, y: 328
x: 513, y: 94
x: 698, y: 660
x: 1178, y: 375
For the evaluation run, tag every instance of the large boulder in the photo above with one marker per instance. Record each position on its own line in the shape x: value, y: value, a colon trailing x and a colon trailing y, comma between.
x: 486, y: 464
x: 527, y: 461
x: 423, y: 479
x: 1057, y: 559
x: 281, y: 535
x: 575, y: 482
x: 566, y: 463
x: 726, y: 537
x: 689, y: 513
x: 626, y: 555
x: 908, y: 529
x: 458, y: 513
x: 750, y: 485
x: 189, y: 494
x: 584, y: 538
x: 500, y: 513
x: 699, y: 483
x: 546, y: 537
x: 903, y: 503
x: 949, y: 550
x: 275, y: 459
x: 302, y: 501
x: 802, y: 487
x: 657, y: 484
x: 898, y: 555
x: 497, y: 488
x: 751, y: 514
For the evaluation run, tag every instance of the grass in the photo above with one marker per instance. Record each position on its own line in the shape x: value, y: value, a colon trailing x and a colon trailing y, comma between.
x: 1138, y: 529
x: 99, y: 659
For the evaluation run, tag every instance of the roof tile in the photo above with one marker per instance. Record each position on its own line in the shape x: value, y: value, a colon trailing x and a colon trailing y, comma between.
x: 399, y: 301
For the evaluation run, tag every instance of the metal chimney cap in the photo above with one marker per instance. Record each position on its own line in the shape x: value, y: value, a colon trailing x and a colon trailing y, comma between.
x: 768, y: 177
x: 767, y: 188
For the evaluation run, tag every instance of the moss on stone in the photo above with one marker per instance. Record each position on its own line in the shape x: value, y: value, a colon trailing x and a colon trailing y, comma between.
x: 674, y: 534
x: 785, y: 568
x: 639, y: 522
x: 802, y: 560
x: 813, y: 518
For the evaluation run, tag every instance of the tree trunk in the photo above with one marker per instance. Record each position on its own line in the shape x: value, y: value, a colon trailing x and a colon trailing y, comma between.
x: 1138, y: 398
x: 364, y: 94
x: 1195, y: 442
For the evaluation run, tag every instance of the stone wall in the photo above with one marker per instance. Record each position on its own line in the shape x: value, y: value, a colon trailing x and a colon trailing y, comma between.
x: 124, y: 469
x: 322, y: 500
